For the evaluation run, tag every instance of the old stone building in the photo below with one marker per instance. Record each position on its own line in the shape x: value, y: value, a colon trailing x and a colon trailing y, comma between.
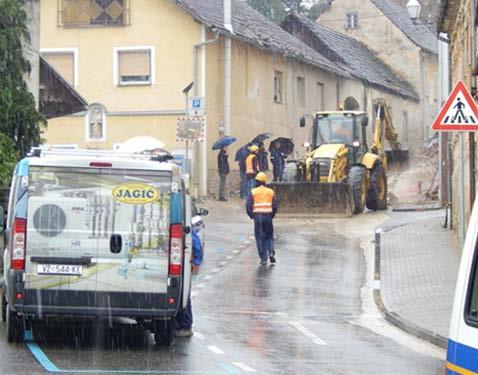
x: 458, y: 19
x: 373, y: 78
x: 410, y: 49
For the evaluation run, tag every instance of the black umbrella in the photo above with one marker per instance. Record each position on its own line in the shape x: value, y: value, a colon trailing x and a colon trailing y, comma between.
x: 286, y: 145
x: 261, y: 138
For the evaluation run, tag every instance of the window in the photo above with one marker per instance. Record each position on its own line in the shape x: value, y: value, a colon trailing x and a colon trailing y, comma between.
x: 352, y: 20
x: 319, y: 97
x: 134, y: 66
x: 301, y: 92
x: 95, y: 123
x: 64, y: 61
x: 471, y: 314
x: 405, y: 127
x: 278, y: 86
x: 93, y: 13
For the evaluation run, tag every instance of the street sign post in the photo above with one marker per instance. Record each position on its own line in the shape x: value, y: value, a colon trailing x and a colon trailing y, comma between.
x: 196, y: 106
x: 459, y: 112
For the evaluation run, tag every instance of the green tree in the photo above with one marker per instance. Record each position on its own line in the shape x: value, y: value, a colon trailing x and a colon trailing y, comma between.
x: 275, y: 10
x: 8, y: 159
x: 318, y: 8
x: 19, y: 119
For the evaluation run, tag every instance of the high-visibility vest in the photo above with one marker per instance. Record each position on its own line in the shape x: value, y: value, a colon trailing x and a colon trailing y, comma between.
x: 250, y: 164
x: 262, y: 198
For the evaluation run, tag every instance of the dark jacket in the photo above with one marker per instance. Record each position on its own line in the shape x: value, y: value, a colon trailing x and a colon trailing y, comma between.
x: 241, y: 156
x: 222, y: 162
x: 263, y: 164
x: 277, y: 157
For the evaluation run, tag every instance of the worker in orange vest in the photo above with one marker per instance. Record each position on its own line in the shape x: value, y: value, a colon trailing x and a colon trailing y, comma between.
x: 262, y: 207
x: 252, y: 167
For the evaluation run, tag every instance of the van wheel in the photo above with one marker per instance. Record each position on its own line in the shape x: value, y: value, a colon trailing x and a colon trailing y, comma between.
x: 4, y: 308
x: 15, y: 326
x: 164, y: 332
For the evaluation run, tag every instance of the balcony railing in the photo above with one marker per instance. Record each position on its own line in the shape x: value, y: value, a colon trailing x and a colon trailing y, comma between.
x: 93, y: 13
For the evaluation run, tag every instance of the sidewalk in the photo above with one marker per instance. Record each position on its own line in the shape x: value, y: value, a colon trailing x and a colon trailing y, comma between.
x: 417, y: 265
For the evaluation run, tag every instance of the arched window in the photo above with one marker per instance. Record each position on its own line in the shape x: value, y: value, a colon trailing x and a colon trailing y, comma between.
x: 351, y: 104
x: 95, y: 123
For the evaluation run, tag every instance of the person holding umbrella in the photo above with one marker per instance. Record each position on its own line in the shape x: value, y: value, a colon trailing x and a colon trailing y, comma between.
x: 223, y: 164
x: 278, y: 161
x: 262, y: 158
x: 223, y: 169
x: 241, y: 156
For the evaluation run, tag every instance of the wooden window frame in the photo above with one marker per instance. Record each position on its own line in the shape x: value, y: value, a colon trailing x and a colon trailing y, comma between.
x: 353, y: 24
x: 116, y: 68
x: 279, y: 76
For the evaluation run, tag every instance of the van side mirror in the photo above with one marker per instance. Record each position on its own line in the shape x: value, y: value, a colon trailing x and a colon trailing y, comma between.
x: 116, y: 243
x: 203, y: 212
x: 2, y: 219
x: 302, y: 122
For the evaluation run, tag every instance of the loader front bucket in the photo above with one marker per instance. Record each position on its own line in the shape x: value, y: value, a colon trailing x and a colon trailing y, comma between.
x: 308, y: 199
x: 399, y: 157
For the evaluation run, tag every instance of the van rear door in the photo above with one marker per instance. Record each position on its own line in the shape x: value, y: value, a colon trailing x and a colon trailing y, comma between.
x: 97, y: 235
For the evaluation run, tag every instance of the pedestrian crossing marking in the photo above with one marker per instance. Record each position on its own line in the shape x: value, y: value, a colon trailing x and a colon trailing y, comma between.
x: 459, y: 113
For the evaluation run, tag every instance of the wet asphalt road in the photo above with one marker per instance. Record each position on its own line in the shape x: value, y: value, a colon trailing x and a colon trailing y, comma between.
x: 307, y: 315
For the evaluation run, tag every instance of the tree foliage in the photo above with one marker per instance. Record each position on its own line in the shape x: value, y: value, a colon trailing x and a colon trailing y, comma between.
x: 8, y: 159
x: 19, y: 119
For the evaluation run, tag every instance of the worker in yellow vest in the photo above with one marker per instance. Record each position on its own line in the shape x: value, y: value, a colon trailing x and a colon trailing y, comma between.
x: 252, y: 167
x: 262, y: 207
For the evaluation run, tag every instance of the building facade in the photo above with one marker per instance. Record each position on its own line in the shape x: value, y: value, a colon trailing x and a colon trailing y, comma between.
x: 410, y: 49
x: 458, y: 18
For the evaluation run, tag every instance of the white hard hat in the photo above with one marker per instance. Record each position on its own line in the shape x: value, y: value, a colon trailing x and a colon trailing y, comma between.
x: 196, y: 221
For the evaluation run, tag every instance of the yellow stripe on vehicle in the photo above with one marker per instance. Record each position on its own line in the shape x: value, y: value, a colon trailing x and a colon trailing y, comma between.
x: 459, y: 370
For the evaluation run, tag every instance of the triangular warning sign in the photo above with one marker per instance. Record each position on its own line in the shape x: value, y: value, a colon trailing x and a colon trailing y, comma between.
x: 459, y: 113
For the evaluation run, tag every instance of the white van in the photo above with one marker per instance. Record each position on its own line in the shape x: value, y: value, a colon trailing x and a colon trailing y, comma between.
x: 462, y: 355
x: 96, y: 234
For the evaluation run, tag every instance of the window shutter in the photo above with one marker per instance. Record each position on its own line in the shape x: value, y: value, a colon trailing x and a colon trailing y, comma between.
x: 134, y: 63
x: 63, y: 63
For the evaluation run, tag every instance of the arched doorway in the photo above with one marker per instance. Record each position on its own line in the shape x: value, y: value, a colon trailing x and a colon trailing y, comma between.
x: 351, y: 104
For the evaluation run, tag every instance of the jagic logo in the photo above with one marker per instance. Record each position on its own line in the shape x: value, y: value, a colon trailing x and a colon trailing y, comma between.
x: 135, y: 193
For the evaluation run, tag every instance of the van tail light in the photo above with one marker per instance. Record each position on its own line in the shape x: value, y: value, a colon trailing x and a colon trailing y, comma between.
x: 18, y: 244
x: 175, y: 249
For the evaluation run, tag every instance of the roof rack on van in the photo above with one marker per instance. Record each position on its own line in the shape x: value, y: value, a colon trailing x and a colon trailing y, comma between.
x: 162, y: 156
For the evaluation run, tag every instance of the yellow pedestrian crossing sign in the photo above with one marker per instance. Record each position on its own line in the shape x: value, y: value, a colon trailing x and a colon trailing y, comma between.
x: 459, y: 113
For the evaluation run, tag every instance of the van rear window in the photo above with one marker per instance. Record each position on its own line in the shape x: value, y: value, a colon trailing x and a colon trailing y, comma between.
x: 472, y: 305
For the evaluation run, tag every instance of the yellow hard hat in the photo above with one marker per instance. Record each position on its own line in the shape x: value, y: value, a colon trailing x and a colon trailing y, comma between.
x: 254, y: 148
x: 261, y: 177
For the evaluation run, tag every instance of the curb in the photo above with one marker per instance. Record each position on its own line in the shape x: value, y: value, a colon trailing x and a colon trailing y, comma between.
x: 393, y: 317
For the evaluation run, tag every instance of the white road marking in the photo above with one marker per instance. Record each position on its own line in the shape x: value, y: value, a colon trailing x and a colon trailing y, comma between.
x: 247, y: 242
x: 201, y: 285
x: 236, y: 251
x: 208, y: 277
x: 198, y: 335
x: 229, y: 257
x: 243, y: 366
x: 194, y: 293
x: 216, y: 270
x: 376, y: 284
x: 215, y: 349
x: 222, y: 263
x: 312, y: 336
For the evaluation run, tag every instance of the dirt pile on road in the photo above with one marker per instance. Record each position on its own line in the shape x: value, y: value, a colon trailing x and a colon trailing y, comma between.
x: 416, y: 184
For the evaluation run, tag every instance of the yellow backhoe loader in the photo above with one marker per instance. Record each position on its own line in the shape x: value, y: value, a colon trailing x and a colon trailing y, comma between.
x: 340, y: 175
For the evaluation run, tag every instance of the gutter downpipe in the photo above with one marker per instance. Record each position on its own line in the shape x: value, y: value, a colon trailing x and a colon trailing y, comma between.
x: 204, y: 171
x: 227, y: 67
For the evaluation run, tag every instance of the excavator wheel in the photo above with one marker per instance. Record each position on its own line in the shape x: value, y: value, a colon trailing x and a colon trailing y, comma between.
x: 358, y: 182
x: 377, y: 193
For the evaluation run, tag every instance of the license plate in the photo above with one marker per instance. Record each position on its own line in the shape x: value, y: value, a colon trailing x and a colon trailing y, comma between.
x: 59, y: 269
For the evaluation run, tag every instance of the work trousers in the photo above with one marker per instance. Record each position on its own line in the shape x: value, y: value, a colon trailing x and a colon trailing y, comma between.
x: 184, y: 318
x: 251, y: 184
x: 243, y: 190
x: 264, y: 233
x: 223, y: 193
x: 278, y: 171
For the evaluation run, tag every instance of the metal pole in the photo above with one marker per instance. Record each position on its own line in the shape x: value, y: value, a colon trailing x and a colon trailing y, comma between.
x: 462, y: 188
x: 227, y: 67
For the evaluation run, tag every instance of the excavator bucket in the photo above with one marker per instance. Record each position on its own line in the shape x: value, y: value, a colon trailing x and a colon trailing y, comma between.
x: 308, y: 199
x: 398, y: 156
